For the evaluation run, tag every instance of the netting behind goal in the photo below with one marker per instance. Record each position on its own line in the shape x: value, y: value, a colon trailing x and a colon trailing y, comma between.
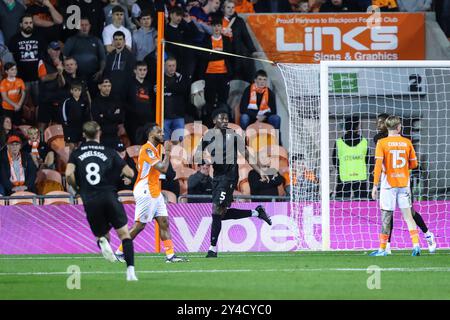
x: 357, y: 95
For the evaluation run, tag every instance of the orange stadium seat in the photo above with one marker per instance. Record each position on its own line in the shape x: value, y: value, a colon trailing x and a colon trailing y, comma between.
x: 65, y: 198
x: 276, y: 154
x: 237, y: 88
x: 183, y: 174
x: 193, y: 132
x: 125, y: 198
x: 260, y: 135
x: 25, y: 201
x: 54, y: 137
x: 243, y: 184
x: 236, y: 128
x: 48, y: 180
x: 179, y: 157
x: 170, y: 196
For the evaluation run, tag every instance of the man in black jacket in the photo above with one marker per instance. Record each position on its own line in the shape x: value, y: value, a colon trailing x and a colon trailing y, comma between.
x: 119, y: 66
x: 259, y: 187
x: 140, y: 102
x: 17, y: 169
x: 107, y: 112
x: 175, y: 97
x: 200, y: 183
x: 217, y: 71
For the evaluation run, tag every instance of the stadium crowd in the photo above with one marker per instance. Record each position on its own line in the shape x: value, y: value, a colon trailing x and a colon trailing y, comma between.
x: 57, y: 70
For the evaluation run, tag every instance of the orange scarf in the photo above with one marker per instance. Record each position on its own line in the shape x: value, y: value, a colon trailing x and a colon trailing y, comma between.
x: 16, y: 180
x: 264, y: 106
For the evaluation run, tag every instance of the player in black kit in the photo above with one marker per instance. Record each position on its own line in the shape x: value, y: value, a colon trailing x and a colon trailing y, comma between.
x: 93, y: 170
x: 223, y: 144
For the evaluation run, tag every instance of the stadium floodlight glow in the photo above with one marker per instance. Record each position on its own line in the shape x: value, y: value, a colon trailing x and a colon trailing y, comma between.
x: 326, y: 99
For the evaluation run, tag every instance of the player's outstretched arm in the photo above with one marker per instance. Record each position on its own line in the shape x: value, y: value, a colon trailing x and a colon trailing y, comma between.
x: 70, y: 176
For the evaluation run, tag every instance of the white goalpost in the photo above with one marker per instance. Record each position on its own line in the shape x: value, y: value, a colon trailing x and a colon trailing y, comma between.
x: 333, y: 110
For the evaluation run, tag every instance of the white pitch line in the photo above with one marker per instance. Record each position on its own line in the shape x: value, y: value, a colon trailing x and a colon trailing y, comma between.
x: 429, y: 269
x: 224, y: 255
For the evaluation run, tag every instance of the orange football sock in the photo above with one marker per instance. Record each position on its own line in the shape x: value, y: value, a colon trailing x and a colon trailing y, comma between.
x: 414, y: 237
x: 383, y: 240
x: 168, y: 248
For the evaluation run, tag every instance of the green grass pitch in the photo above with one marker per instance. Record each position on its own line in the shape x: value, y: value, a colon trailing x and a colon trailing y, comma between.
x: 288, y: 275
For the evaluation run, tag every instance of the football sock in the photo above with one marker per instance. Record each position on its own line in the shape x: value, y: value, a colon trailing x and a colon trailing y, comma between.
x: 388, y: 246
x: 237, y: 214
x: 414, y: 237
x: 215, y: 229
x: 428, y: 233
x: 420, y: 223
x: 128, y: 251
x: 212, y: 248
x: 168, y: 248
x: 383, y: 241
x: 255, y: 213
x: 392, y: 228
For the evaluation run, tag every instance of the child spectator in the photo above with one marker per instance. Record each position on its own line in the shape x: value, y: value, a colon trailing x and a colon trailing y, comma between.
x: 74, y: 112
x: 13, y: 93
x: 43, y: 157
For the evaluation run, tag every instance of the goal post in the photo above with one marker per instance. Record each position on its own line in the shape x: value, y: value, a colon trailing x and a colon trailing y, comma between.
x: 330, y: 102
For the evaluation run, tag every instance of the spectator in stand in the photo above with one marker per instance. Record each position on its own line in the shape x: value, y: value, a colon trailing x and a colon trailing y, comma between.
x: 13, y: 93
x: 258, y: 187
x: 11, y: 11
x: 169, y: 183
x: 89, y: 53
x: 17, y: 169
x: 175, y: 97
x: 235, y: 29
x: 200, y: 183
x: 107, y: 10
x: 47, y: 19
x: 414, y: 5
x: 119, y: 66
x: 107, y: 112
x: 138, y: 7
x: 5, y: 56
x: 117, y: 25
x: 258, y: 103
x: 144, y: 39
x: 50, y: 86
x: 70, y: 75
x: 43, y: 157
x: 6, y: 129
x: 443, y: 15
x: 384, y: 5
x: 338, y: 6
x: 92, y: 10
x: 28, y: 49
x: 126, y: 183
x: 140, y: 106
x: 181, y: 29
x: 202, y: 17
x: 74, y: 112
x: 217, y: 71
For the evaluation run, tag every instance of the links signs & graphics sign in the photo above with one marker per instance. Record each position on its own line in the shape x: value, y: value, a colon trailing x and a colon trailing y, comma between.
x: 310, y: 38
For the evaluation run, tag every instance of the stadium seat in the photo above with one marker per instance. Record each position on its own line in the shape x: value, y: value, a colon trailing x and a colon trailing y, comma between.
x: 25, y: 201
x: 65, y: 198
x: 237, y: 88
x: 48, y: 180
x: 183, y: 174
x: 260, y: 135
x: 133, y: 152
x: 170, y: 196
x: 243, y: 185
x: 238, y: 193
x: 125, y: 198
x: 277, y: 155
x: 54, y: 137
x: 193, y: 132
x: 236, y: 128
x: 179, y: 157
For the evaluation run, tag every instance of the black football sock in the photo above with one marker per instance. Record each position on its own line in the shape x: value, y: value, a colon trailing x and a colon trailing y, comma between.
x: 128, y: 251
x: 392, y: 228
x: 237, y: 214
x: 215, y: 228
x: 419, y: 221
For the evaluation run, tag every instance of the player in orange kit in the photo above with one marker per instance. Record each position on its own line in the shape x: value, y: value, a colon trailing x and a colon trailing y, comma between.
x: 395, y: 156
x: 147, y: 192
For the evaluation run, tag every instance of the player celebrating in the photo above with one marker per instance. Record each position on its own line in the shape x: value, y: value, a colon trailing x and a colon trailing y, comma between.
x: 93, y: 170
x: 223, y: 144
x: 395, y: 155
x: 147, y: 192
x: 429, y: 236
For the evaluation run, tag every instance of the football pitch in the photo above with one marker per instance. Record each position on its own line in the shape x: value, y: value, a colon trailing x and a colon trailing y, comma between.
x: 286, y: 276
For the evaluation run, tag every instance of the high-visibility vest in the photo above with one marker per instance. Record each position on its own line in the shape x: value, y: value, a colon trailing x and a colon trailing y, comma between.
x: 352, y: 160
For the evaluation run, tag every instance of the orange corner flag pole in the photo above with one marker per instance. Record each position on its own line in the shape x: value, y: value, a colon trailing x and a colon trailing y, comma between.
x: 159, y: 97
